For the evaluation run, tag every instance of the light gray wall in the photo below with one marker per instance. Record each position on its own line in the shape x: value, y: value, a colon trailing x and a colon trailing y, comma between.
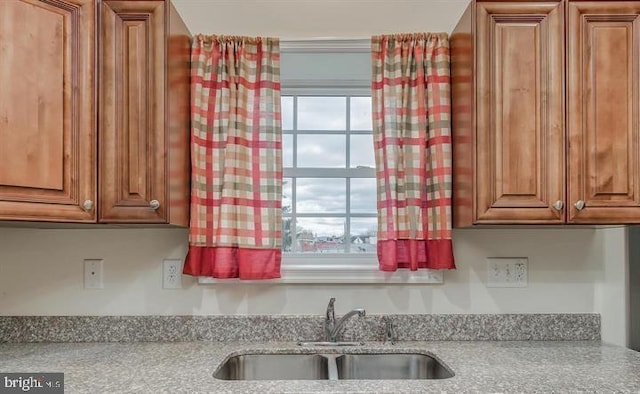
x: 634, y: 287
x: 41, y: 273
x: 296, y: 19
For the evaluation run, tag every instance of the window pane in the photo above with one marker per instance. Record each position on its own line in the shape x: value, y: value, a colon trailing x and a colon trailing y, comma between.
x: 361, y: 113
x: 317, y: 195
x: 287, y: 150
x: 363, y: 195
x: 287, y: 112
x: 287, y: 234
x: 320, y: 235
x: 361, y: 148
x: 363, y: 235
x: 287, y: 221
x: 319, y: 150
x: 287, y: 195
x: 321, y: 195
x: 322, y: 113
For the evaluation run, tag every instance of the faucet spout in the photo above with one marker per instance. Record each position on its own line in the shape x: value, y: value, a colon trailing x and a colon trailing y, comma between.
x: 339, y: 326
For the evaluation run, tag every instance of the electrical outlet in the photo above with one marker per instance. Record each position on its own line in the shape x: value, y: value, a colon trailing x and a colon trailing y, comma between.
x: 507, y: 271
x: 172, y: 274
x: 93, y: 274
x: 520, y: 272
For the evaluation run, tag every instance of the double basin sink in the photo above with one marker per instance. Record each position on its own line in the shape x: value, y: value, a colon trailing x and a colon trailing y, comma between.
x: 327, y: 366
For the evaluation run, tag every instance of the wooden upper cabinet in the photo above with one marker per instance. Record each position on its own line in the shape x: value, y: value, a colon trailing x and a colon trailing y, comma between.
x: 47, y: 110
x: 527, y: 149
x: 520, y: 135
x: 519, y: 113
x: 143, y: 166
x: 604, y: 111
x: 132, y: 113
x: 77, y: 149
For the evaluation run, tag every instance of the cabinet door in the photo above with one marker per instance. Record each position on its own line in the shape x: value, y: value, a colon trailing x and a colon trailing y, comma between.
x: 603, y: 111
x: 132, y: 112
x: 47, y: 106
x: 520, y: 112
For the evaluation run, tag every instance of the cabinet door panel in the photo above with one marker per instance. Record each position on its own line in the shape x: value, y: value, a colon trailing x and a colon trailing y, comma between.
x: 603, y: 111
x: 47, y: 131
x: 519, y: 112
x: 132, y: 116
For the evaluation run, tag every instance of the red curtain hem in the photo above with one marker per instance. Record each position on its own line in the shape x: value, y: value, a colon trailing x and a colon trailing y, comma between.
x: 229, y: 262
x: 415, y: 254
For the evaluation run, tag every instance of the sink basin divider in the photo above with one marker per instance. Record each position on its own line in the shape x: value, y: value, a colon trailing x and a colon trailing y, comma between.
x: 332, y: 365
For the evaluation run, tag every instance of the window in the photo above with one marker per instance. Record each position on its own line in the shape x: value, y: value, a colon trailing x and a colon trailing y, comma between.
x: 329, y: 171
x: 329, y: 192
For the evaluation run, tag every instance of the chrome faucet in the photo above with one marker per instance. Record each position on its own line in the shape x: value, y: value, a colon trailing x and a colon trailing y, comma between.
x: 332, y: 329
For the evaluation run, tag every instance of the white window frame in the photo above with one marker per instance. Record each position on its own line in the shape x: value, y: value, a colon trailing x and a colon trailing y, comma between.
x: 350, y: 268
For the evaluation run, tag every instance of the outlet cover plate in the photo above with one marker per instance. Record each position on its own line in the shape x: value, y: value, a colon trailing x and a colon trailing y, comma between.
x: 172, y: 274
x: 93, y: 274
x: 507, y: 271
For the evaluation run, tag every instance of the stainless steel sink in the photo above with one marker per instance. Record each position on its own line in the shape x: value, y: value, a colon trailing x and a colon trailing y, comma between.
x: 273, y: 367
x: 390, y: 366
x: 333, y: 366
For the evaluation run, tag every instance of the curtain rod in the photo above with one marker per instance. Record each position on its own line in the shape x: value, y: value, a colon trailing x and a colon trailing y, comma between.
x: 326, y: 44
x: 305, y: 39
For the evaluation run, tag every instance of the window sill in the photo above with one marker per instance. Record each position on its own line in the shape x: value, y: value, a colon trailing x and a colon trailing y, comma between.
x: 323, y: 269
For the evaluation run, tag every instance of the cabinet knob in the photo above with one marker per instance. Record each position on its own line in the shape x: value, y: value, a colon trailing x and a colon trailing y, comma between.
x: 154, y: 204
x: 579, y: 205
x: 558, y: 205
x: 87, y: 205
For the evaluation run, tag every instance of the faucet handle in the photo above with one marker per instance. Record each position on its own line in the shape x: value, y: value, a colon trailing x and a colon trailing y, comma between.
x: 329, y: 319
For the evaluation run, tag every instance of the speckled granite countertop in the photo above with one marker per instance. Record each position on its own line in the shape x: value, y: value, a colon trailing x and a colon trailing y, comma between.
x: 154, y: 367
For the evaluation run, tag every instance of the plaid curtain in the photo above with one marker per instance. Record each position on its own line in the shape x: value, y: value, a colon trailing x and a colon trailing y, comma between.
x: 412, y: 137
x: 236, y: 158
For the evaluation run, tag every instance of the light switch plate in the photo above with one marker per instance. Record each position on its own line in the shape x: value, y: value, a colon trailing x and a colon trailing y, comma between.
x: 507, y: 271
